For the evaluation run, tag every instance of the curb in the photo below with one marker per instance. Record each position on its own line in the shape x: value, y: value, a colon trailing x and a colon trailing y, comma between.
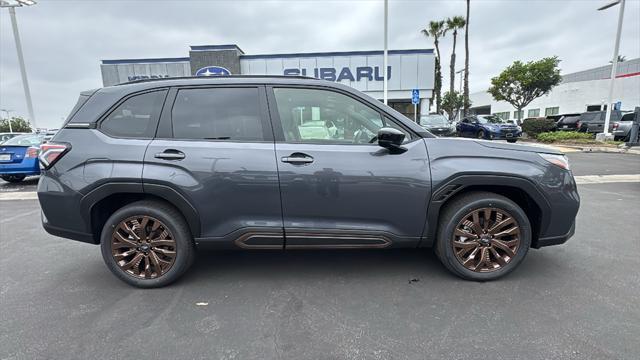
x: 595, y: 149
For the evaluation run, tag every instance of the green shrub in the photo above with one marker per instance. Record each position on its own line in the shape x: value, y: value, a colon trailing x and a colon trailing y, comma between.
x: 535, y: 126
x: 549, y: 137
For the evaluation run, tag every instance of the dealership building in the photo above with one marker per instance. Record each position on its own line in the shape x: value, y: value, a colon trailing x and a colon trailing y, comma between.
x: 578, y: 92
x: 407, y: 70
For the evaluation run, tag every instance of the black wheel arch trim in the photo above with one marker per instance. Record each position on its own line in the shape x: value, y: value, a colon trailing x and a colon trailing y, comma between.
x: 457, y: 183
x: 161, y: 191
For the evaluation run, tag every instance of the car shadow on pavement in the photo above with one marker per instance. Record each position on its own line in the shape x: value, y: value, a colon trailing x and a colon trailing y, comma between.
x: 29, y: 182
x: 316, y: 264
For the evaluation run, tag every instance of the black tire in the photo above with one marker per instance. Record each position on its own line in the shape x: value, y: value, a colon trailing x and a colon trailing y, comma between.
x: 512, y: 140
x: 455, y: 211
x: 13, y: 178
x: 173, y: 220
x: 480, y: 134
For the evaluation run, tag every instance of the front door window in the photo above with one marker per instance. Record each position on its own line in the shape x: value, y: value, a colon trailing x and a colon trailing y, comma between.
x: 321, y: 116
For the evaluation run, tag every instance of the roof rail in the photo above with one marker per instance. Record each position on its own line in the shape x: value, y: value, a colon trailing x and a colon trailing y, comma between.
x: 221, y: 76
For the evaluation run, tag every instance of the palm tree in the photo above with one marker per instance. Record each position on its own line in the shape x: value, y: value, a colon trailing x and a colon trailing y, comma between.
x: 466, y: 64
x: 454, y: 23
x: 436, y: 30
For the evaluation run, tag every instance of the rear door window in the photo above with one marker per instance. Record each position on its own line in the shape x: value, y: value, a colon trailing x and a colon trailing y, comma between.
x: 136, y: 117
x: 231, y: 114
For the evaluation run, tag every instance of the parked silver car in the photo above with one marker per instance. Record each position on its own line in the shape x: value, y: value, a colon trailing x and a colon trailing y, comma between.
x: 622, y: 129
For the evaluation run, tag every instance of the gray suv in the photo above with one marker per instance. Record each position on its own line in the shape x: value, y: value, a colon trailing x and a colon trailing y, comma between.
x: 153, y: 170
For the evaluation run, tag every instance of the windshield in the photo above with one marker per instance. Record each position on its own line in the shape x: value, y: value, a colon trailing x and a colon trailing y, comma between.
x: 25, y: 140
x: 434, y: 120
x: 492, y: 119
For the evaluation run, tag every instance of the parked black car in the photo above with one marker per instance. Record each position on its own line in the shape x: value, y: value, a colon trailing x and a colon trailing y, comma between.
x: 568, y: 123
x: 152, y: 170
x: 438, y: 125
x: 593, y: 121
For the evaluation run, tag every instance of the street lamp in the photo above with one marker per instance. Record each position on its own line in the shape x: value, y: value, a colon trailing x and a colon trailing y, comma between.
x: 614, y: 66
x: 12, y: 5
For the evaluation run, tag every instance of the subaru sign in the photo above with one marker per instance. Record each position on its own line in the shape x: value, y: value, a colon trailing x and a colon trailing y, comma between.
x: 213, y: 71
x: 371, y: 73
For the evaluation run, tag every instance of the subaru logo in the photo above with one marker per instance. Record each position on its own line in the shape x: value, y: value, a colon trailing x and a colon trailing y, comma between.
x: 213, y: 71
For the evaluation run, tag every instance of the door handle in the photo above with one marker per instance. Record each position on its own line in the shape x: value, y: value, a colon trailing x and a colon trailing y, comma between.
x: 297, y: 159
x: 170, y: 154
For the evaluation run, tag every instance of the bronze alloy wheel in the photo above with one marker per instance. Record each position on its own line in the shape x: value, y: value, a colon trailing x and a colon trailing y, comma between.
x: 486, y: 239
x: 143, y: 247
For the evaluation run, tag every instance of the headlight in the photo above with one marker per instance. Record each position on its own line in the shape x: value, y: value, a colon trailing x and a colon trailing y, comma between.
x: 519, y: 128
x: 559, y: 160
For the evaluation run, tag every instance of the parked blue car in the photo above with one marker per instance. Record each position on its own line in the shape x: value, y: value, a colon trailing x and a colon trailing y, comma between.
x: 489, y: 127
x: 19, y: 157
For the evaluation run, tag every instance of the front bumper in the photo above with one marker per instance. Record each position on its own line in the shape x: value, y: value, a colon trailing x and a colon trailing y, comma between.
x: 501, y: 135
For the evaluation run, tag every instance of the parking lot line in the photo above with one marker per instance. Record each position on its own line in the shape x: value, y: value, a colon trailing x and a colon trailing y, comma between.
x: 19, y: 195
x: 604, y: 179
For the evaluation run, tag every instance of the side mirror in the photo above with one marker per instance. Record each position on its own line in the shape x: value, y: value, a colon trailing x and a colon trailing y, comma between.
x: 390, y: 138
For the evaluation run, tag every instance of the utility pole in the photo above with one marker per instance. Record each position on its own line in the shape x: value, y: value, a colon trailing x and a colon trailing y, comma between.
x: 16, y: 35
x: 614, y: 66
x: 385, y: 55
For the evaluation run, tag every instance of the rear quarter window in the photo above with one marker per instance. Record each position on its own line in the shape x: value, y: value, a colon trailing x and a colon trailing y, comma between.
x: 135, y: 117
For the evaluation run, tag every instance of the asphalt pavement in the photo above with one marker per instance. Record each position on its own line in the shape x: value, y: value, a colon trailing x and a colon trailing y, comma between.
x: 574, y: 301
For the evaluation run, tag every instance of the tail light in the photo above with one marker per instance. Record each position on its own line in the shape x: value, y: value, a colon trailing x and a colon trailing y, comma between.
x: 32, y: 152
x: 578, y: 124
x: 615, y: 126
x: 51, y: 152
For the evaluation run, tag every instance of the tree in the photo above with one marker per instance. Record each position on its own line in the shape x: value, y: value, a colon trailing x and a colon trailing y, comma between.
x: 436, y: 30
x: 454, y: 23
x: 18, y: 124
x: 467, y: 103
x: 519, y: 84
x: 452, y: 102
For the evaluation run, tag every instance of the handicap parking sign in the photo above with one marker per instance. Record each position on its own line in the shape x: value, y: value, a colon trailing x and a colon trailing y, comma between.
x: 415, y: 96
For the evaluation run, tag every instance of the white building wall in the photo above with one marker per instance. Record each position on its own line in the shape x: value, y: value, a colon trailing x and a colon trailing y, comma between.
x: 574, y: 95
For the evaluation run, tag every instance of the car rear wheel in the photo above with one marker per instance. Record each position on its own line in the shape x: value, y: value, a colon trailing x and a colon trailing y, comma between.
x: 481, y: 134
x: 482, y: 236
x: 512, y: 140
x: 147, y: 244
x: 13, y: 178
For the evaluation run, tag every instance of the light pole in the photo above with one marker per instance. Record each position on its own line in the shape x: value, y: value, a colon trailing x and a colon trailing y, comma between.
x: 7, y: 111
x: 12, y: 5
x: 384, y: 56
x: 459, y: 72
x: 614, y: 67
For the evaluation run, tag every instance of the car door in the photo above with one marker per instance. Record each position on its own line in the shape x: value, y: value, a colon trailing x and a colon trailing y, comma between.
x: 464, y: 127
x: 338, y: 187
x: 215, y: 147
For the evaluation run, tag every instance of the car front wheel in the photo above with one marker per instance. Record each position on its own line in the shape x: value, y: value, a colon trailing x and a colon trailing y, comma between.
x: 481, y: 134
x: 482, y: 236
x: 147, y: 244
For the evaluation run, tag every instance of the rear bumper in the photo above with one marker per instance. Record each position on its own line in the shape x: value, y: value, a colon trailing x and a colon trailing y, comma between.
x: 556, y: 240
x: 25, y: 167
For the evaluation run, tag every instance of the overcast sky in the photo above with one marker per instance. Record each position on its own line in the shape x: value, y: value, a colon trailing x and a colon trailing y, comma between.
x: 64, y: 41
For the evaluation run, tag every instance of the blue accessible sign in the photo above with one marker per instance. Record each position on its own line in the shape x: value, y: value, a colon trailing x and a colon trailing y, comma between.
x: 415, y: 96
